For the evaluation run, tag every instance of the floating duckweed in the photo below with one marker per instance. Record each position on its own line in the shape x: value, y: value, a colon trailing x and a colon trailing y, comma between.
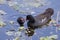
x: 35, y: 4
x: 13, y: 33
x: 53, y: 22
x: 18, y: 33
x: 2, y: 1
x: 21, y: 28
x: 53, y: 37
x: 16, y: 7
x: 28, y: 3
x: 17, y: 38
x: 32, y: 12
x: 2, y: 24
x: 2, y: 12
x: 9, y: 33
x: 11, y: 3
x: 44, y: 38
x: 23, y: 12
x: 11, y: 22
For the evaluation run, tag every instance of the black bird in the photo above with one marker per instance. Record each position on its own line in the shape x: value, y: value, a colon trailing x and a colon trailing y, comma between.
x: 21, y: 21
x: 39, y: 20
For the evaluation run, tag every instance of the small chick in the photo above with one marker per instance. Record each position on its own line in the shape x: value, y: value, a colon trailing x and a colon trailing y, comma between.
x: 21, y: 21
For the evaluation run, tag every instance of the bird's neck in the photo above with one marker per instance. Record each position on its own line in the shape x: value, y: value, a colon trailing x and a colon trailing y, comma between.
x: 32, y: 20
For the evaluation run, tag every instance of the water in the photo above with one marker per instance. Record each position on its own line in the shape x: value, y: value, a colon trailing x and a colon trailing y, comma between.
x: 23, y: 8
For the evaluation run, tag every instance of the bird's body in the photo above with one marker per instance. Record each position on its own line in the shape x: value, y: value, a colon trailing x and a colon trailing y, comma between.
x: 39, y: 20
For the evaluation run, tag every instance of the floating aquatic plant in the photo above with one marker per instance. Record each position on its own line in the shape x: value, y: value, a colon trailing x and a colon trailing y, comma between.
x: 2, y: 12
x: 2, y: 1
x: 21, y: 28
x: 2, y: 23
x: 52, y: 37
x: 27, y: 4
x: 9, y: 33
x: 17, y: 38
x: 11, y: 22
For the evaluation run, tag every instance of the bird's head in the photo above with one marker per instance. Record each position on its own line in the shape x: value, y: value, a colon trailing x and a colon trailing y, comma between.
x: 30, y: 18
x: 21, y: 21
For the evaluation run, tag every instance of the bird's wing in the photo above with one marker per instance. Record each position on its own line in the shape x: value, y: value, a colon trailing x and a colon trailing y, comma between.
x: 40, y: 16
x: 42, y: 20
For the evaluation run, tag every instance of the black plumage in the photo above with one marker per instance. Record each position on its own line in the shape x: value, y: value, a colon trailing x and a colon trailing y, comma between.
x: 21, y: 21
x: 39, y: 20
